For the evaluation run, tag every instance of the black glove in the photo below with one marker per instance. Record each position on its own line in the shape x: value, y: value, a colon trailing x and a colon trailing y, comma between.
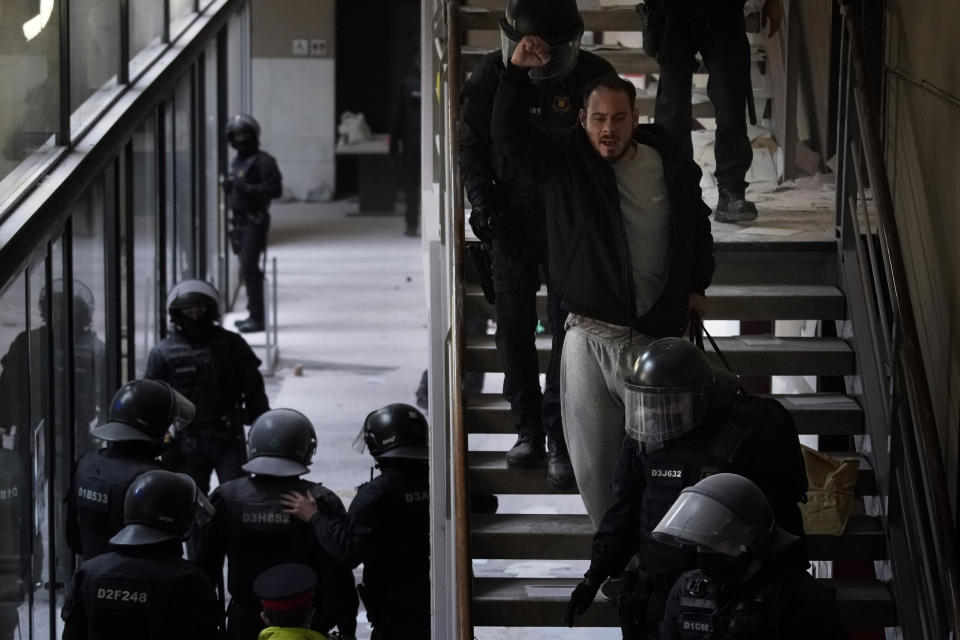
x: 241, y: 186
x: 484, y: 223
x: 581, y: 598
x: 227, y: 184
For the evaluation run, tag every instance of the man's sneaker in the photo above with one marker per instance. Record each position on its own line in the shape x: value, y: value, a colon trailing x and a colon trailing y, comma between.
x: 527, y: 452
x: 734, y: 207
x: 559, y: 470
x: 250, y: 325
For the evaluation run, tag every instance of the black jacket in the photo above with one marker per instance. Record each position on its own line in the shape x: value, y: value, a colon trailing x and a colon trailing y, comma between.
x: 781, y: 601
x: 387, y: 528
x: 251, y: 531
x: 588, y: 252
x: 643, y: 492
x: 488, y: 177
x: 147, y: 592
x: 219, y: 374
x: 256, y: 180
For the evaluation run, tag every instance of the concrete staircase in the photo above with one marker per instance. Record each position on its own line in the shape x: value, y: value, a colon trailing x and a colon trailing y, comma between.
x: 753, y: 281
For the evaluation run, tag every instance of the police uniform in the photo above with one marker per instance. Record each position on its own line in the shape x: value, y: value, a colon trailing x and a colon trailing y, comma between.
x: 405, y: 127
x: 251, y: 530
x: 255, y: 180
x: 388, y: 530
x: 647, y: 482
x: 220, y: 374
x: 779, y: 602
x: 95, y: 498
x: 147, y: 592
x: 519, y: 247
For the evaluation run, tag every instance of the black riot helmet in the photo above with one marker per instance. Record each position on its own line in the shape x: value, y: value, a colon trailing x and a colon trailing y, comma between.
x: 83, y: 303
x: 672, y: 388
x: 281, y: 444
x: 159, y: 506
x: 556, y: 21
x: 724, y: 513
x: 194, y: 293
x: 394, y: 431
x: 144, y: 410
x: 243, y: 132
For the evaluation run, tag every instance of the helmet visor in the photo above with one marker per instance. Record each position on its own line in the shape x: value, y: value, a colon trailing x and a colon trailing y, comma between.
x: 659, y: 415
x: 360, y: 442
x: 182, y: 411
x: 563, y: 57
x: 696, y: 519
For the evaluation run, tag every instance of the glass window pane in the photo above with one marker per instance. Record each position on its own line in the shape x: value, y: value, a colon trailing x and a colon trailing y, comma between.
x: 30, y: 99
x: 211, y: 130
x: 89, y: 314
x: 63, y: 458
x: 180, y: 15
x: 146, y: 30
x: 184, y: 176
x: 145, y: 209
x: 39, y: 457
x: 15, y: 514
x: 94, y: 57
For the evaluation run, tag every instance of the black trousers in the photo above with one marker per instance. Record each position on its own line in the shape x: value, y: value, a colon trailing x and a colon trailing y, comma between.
x: 720, y: 37
x: 516, y: 280
x: 249, y: 243
x: 411, y: 184
x: 199, y: 454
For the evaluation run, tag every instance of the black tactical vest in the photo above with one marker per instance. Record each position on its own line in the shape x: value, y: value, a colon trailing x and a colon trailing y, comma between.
x: 751, y: 613
x: 206, y: 373
x: 698, y: 607
x: 100, y: 485
x: 667, y: 471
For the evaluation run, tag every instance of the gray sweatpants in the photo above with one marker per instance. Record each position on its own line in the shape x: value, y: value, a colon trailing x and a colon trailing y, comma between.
x: 596, y: 359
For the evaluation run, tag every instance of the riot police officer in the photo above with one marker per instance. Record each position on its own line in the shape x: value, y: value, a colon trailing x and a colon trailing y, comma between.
x: 508, y: 216
x: 405, y: 141
x: 387, y: 527
x: 743, y: 588
x: 253, y: 533
x: 141, y: 413
x: 685, y: 421
x: 145, y: 588
x: 217, y: 371
x: 253, y: 181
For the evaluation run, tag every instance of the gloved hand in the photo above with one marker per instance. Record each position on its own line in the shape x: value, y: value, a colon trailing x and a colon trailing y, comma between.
x: 581, y: 598
x: 241, y: 186
x: 227, y: 184
x: 484, y: 222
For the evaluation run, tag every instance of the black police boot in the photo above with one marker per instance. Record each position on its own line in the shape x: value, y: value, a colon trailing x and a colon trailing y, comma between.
x: 734, y: 207
x: 559, y: 470
x: 527, y: 452
x: 250, y: 325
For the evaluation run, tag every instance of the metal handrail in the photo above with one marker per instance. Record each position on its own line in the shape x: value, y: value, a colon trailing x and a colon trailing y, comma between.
x: 930, y: 532
x: 463, y: 559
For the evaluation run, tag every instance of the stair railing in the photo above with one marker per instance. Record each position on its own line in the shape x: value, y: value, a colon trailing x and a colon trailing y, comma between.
x: 457, y: 343
x: 917, y: 515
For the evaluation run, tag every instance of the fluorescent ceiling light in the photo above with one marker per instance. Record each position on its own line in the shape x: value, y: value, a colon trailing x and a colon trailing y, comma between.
x: 33, y: 26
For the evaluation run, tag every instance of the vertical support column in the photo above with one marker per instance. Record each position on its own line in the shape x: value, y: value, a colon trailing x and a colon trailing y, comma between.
x: 63, y: 130
x: 123, y: 73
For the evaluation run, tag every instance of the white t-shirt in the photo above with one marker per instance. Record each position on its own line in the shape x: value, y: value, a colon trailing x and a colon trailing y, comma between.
x: 645, y: 206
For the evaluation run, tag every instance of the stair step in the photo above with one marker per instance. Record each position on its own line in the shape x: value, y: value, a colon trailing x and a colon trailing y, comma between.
x: 762, y: 355
x: 813, y: 413
x: 728, y: 302
x: 539, y: 602
x: 489, y: 473
x: 613, y: 19
x: 811, y: 263
x: 569, y: 537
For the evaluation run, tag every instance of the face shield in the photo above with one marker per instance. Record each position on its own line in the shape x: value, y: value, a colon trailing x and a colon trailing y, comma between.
x: 563, y: 57
x: 182, y: 411
x: 657, y: 415
x: 360, y: 442
x: 697, y: 519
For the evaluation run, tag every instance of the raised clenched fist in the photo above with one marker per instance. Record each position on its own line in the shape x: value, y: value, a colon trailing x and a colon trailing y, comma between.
x: 531, y: 53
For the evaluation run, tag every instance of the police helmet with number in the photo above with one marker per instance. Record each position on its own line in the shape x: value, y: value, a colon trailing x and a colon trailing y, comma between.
x: 194, y: 293
x: 144, y: 410
x: 671, y: 389
x: 161, y: 505
x: 394, y: 431
x: 556, y: 21
x: 724, y: 513
x: 281, y: 444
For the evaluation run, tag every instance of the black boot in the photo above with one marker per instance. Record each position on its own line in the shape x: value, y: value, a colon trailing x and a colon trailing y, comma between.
x: 250, y: 325
x: 559, y: 470
x: 527, y: 452
x: 733, y: 206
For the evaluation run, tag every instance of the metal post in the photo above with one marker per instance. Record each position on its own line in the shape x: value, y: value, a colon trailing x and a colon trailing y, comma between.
x: 273, y: 314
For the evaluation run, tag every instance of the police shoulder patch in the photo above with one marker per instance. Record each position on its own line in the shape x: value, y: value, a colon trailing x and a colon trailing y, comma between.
x: 562, y: 103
